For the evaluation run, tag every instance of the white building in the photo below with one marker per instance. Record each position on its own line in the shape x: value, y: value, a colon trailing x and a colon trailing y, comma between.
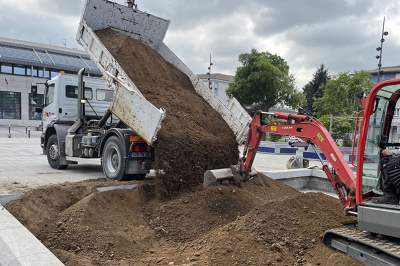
x: 219, y: 84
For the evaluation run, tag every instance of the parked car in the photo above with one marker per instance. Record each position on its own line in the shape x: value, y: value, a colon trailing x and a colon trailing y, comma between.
x: 293, y: 140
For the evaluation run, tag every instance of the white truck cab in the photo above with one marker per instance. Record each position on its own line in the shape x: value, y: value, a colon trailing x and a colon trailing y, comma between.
x: 61, y: 94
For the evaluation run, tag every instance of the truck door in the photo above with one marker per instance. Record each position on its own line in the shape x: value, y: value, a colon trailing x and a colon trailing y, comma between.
x: 50, y: 105
x: 69, y: 101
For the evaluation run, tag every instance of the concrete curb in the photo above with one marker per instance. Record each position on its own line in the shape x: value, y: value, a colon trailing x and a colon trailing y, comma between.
x: 20, y: 247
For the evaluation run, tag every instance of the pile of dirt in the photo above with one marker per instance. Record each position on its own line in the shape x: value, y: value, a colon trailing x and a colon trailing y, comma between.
x: 193, y: 137
x: 263, y: 222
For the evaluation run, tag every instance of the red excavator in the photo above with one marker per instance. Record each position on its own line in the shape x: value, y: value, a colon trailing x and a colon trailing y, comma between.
x: 376, y: 239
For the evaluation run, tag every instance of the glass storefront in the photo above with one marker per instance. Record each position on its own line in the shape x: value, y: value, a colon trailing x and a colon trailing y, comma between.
x: 10, y: 105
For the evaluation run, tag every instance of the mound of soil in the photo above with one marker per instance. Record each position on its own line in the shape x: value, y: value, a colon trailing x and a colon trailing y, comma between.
x: 262, y: 222
x: 193, y: 137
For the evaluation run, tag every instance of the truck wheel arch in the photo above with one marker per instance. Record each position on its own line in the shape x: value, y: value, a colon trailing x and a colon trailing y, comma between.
x: 114, y: 132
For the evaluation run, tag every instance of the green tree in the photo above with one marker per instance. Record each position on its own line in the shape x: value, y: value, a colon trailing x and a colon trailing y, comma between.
x: 273, y: 137
x: 338, y: 95
x: 341, y: 126
x: 263, y: 81
x: 314, y: 89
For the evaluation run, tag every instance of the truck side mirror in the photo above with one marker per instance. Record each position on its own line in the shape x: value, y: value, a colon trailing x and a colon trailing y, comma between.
x: 34, y: 90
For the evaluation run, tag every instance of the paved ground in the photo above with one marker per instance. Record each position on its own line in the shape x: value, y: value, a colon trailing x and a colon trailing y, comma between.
x: 22, y: 164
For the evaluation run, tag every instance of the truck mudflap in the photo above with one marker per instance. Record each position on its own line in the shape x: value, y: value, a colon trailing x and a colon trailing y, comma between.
x: 367, y: 248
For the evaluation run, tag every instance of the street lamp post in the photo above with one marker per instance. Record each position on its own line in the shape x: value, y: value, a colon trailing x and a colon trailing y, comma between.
x: 209, y: 74
x: 379, y: 49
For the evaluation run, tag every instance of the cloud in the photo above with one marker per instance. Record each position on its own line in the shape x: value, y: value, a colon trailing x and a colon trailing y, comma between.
x: 342, y: 35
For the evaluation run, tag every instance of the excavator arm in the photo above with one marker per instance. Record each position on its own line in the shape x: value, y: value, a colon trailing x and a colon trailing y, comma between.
x: 307, y: 128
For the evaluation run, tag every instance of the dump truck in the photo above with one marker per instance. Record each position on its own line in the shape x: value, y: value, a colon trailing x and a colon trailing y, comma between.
x: 375, y: 241
x: 79, y: 126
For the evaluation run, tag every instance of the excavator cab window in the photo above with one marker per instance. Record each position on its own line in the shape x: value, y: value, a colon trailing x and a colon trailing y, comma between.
x: 373, y: 145
x: 379, y: 135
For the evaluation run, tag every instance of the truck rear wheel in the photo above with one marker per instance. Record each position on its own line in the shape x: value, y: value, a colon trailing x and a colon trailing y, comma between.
x: 53, y: 153
x: 113, y: 159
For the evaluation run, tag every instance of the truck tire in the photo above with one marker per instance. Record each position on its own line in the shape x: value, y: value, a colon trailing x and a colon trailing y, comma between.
x: 113, y: 159
x: 53, y: 153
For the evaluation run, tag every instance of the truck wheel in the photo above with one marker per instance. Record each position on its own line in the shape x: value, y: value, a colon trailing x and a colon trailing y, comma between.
x: 53, y: 154
x: 113, y: 159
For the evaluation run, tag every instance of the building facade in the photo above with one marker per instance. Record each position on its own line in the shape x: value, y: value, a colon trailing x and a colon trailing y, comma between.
x: 219, y: 83
x: 23, y: 63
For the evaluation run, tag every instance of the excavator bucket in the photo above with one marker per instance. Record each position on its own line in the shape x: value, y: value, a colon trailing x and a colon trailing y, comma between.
x: 217, y: 176
x: 297, y: 162
x: 225, y: 175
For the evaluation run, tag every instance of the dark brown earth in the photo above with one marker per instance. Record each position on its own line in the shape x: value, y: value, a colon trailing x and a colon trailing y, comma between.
x: 263, y: 222
x: 193, y: 137
x: 172, y: 219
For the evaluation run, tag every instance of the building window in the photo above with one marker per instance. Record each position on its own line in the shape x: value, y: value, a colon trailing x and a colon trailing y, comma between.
x: 46, y: 73
x: 35, y: 102
x: 37, y: 72
x: 55, y: 72
x: 19, y: 70
x: 10, y: 105
x: 28, y: 70
x: 6, y: 68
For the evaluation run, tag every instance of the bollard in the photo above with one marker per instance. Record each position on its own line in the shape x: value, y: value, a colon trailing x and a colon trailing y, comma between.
x: 29, y: 133
x: 26, y: 129
x: 9, y: 131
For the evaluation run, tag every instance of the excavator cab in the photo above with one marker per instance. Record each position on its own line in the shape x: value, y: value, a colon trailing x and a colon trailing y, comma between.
x: 375, y: 134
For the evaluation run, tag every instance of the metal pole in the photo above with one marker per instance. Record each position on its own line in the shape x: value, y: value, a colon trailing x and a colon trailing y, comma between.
x: 29, y: 133
x: 209, y: 74
x: 380, y: 50
x: 26, y: 129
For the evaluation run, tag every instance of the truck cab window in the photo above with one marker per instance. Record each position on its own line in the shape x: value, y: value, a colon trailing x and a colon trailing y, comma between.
x: 72, y: 92
x: 104, y: 95
x: 49, y: 98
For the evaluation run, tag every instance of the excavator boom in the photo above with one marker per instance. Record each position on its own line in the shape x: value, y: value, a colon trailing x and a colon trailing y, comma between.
x: 308, y: 129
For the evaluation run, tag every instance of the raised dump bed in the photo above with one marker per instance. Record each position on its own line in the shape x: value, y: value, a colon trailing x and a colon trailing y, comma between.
x: 128, y: 103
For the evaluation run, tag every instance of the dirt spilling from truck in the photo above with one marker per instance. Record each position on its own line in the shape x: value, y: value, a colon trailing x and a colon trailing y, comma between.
x: 262, y: 222
x: 193, y: 137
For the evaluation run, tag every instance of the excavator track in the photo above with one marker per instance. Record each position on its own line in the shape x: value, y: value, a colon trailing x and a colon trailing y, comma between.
x: 367, y: 248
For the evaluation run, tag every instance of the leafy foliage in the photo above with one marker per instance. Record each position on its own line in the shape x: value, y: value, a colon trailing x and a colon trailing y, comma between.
x: 338, y: 95
x: 263, y: 81
x: 341, y: 126
x: 314, y: 89
x: 273, y: 137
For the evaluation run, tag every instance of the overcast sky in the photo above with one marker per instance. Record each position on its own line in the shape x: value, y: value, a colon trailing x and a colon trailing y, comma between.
x: 341, y: 34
